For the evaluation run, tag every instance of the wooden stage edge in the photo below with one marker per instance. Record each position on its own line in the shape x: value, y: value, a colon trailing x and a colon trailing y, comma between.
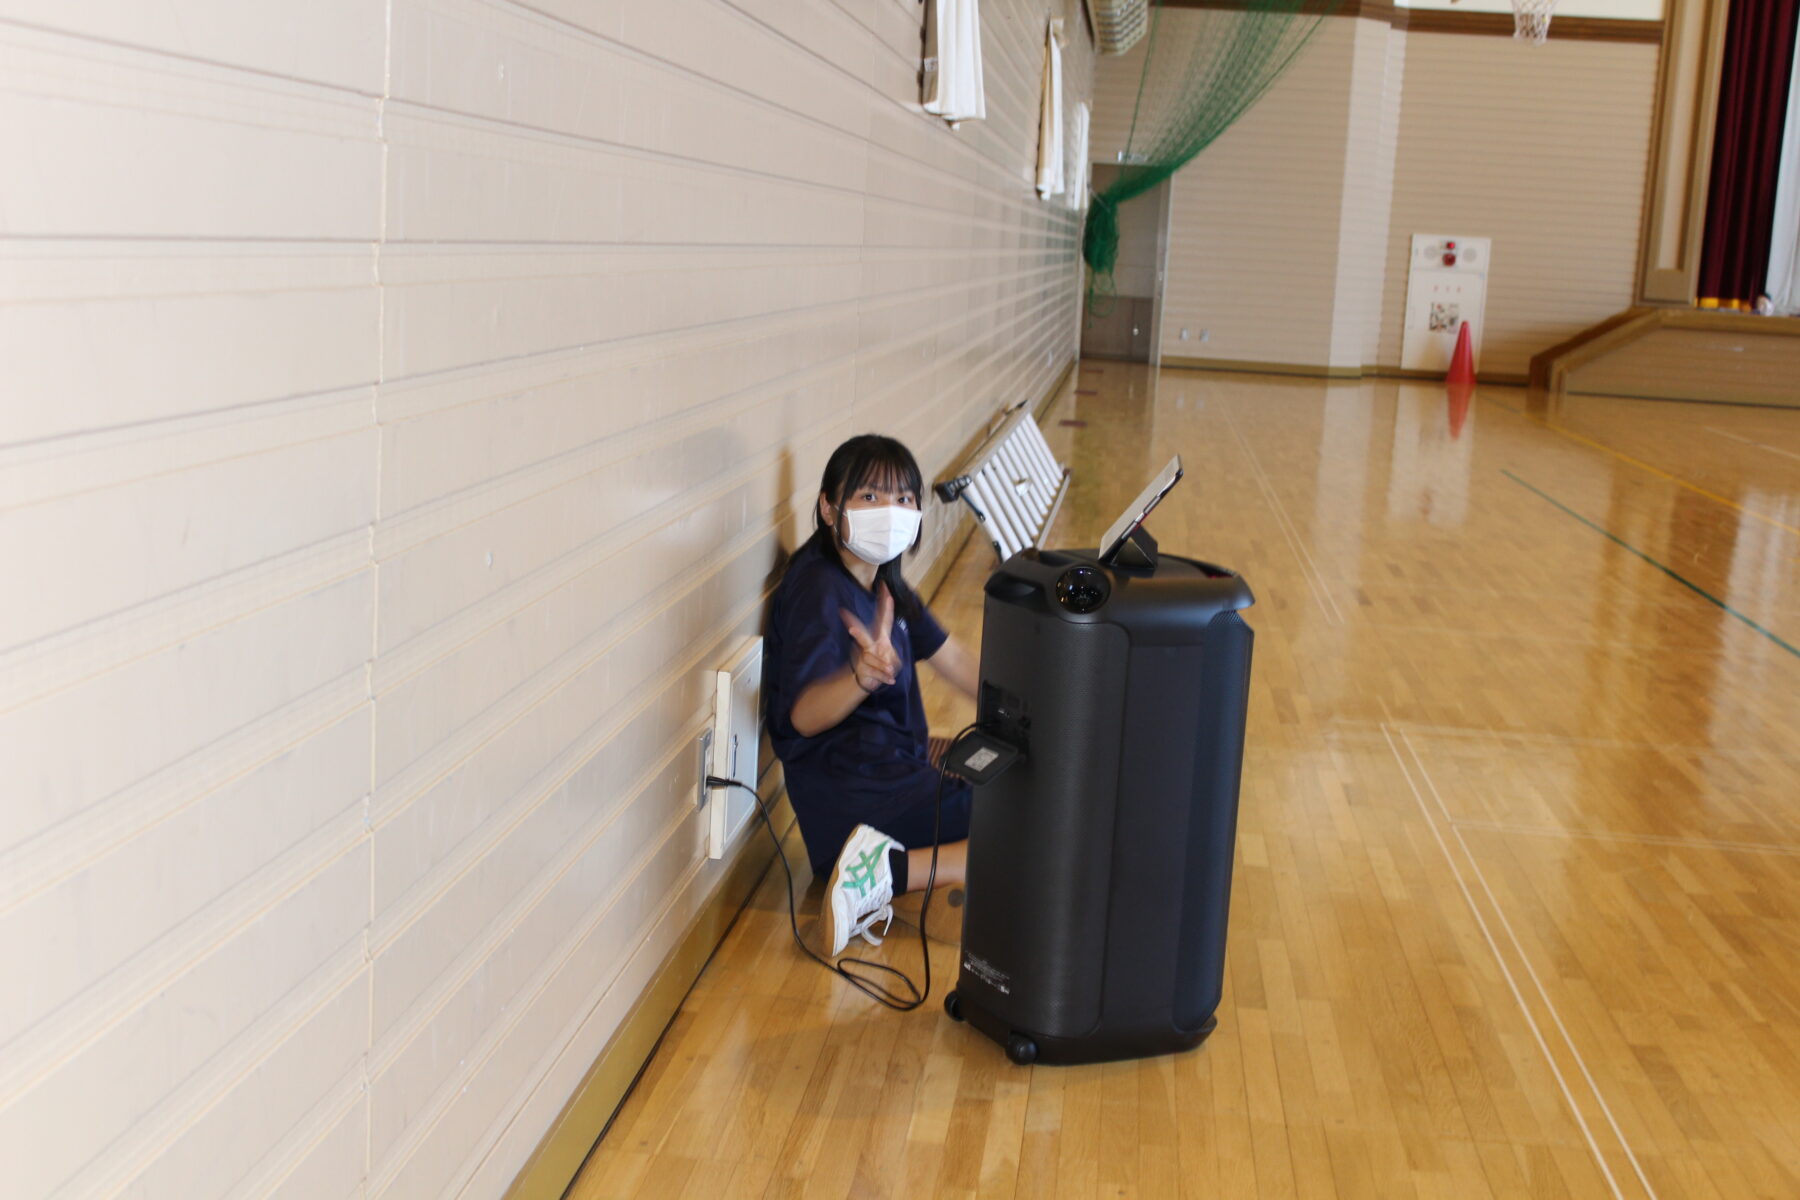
x: 1708, y: 374
x: 553, y: 1166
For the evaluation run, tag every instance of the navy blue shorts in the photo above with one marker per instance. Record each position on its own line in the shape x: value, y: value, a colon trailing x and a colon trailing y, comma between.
x: 908, y: 821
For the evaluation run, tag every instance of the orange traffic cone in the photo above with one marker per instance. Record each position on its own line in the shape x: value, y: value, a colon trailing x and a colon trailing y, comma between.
x: 1462, y: 363
x: 1459, y: 395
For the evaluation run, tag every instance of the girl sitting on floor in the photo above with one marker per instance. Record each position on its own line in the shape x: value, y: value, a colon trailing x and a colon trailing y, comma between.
x: 842, y: 687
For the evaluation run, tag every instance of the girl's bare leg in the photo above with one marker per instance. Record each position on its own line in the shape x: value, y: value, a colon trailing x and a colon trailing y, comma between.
x: 952, y: 862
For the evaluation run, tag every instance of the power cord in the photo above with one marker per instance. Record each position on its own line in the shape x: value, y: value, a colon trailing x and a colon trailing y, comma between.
x: 870, y: 987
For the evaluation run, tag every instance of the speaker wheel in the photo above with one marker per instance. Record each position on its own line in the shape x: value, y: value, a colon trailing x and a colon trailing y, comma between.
x: 953, y: 1006
x: 1021, y: 1049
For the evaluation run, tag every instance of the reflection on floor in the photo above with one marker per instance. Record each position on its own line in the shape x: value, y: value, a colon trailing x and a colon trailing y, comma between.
x: 1517, y: 905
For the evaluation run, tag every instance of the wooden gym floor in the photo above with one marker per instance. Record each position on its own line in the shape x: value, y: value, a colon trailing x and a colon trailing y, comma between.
x: 1517, y: 903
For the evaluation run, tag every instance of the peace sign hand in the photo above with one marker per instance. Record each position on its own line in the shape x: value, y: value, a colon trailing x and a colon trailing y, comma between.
x: 873, y: 661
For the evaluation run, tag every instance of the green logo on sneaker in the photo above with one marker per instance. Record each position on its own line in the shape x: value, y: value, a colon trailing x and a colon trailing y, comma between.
x: 862, y: 871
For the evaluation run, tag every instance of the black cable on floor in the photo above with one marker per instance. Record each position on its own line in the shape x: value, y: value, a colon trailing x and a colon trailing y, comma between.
x: 868, y: 986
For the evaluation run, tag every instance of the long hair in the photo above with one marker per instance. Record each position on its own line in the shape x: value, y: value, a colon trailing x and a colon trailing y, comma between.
x: 869, y: 460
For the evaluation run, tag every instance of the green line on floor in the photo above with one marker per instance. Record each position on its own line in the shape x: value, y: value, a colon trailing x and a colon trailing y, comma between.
x: 1689, y: 584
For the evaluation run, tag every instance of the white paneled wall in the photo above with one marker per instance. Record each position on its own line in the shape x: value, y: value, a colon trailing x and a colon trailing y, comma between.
x: 1253, y: 229
x: 1289, y: 235
x: 1544, y: 151
x: 403, y: 403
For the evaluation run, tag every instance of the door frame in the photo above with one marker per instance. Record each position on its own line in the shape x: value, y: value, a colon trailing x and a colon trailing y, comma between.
x: 1164, y: 221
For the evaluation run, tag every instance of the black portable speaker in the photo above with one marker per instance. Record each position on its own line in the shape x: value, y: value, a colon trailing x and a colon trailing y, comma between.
x: 1099, y: 869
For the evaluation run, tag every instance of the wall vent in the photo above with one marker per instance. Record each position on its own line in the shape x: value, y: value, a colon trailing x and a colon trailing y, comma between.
x: 1118, y: 24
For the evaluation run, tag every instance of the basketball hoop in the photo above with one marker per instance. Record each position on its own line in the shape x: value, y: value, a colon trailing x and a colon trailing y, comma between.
x: 1531, y: 20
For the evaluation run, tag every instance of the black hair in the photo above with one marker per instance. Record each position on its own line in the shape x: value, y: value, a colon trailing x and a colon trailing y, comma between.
x: 869, y: 460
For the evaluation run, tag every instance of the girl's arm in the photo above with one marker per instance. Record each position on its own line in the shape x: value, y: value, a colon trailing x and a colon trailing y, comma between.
x: 827, y: 701
x: 873, y: 663
x: 957, y: 666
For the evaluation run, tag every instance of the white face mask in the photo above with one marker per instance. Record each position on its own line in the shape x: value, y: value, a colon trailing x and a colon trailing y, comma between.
x: 879, y: 535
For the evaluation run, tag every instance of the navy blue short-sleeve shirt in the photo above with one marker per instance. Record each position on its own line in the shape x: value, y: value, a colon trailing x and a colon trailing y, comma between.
x: 872, y: 766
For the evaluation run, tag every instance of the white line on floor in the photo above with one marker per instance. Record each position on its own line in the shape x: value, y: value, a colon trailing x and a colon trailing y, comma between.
x: 1506, y: 970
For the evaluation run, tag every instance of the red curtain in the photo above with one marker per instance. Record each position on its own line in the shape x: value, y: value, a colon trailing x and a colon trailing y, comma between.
x: 1746, y: 159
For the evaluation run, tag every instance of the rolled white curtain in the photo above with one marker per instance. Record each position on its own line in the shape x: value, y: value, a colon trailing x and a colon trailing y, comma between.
x: 953, y: 88
x: 1784, y: 249
x: 1050, y: 129
x: 1078, y: 171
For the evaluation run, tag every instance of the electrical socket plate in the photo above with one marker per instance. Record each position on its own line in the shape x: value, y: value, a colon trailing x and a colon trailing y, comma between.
x: 736, y: 744
x: 703, y: 743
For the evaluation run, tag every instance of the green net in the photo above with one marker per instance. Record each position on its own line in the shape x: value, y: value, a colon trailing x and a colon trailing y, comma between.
x: 1203, y: 67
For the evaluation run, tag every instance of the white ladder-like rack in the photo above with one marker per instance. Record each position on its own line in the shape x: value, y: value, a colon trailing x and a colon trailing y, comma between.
x: 1013, y: 484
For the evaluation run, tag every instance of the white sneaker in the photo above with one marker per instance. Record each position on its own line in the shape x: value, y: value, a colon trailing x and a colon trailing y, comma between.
x: 860, y: 891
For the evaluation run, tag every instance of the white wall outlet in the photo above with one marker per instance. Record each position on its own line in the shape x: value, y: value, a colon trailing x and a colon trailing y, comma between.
x: 1186, y: 333
x: 1206, y: 335
x: 736, y: 744
x: 703, y: 766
